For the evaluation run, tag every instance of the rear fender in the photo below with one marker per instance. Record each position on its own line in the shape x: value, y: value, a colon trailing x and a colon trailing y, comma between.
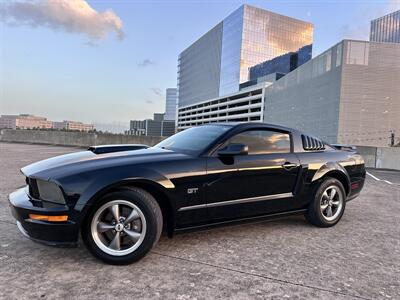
x: 335, y: 170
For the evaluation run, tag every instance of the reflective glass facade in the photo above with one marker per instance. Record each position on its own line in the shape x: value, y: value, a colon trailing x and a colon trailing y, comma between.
x: 170, y: 104
x: 386, y: 29
x: 231, y: 52
x: 199, y: 68
x: 267, y: 35
x: 217, y: 63
x: 282, y: 64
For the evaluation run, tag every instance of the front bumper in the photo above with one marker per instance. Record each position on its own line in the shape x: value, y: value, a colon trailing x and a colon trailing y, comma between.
x: 63, y: 234
x: 355, y: 188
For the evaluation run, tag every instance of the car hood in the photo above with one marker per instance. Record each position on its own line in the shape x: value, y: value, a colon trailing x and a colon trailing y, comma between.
x: 87, y: 160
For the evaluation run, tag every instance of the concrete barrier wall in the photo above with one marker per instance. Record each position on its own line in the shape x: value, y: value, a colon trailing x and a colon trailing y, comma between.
x: 78, y: 139
x: 381, y: 157
x: 388, y: 158
x: 369, y: 155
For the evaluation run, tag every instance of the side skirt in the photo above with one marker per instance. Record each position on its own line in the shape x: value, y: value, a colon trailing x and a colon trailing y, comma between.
x: 240, y: 221
x: 352, y: 197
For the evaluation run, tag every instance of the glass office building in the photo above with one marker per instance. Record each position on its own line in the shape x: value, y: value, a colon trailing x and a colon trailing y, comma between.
x: 217, y: 63
x: 199, y: 68
x: 282, y: 64
x: 386, y: 29
x: 170, y: 104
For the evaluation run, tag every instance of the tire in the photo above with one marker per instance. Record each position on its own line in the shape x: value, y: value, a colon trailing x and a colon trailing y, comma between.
x: 131, y: 237
x: 322, y: 198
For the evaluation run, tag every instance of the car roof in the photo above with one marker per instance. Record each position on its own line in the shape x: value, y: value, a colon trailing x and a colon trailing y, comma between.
x: 251, y: 125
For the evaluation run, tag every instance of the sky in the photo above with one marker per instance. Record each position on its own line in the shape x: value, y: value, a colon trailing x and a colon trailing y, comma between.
x: 110, y: 61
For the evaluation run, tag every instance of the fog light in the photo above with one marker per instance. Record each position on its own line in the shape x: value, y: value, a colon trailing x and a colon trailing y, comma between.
x: 48, y: 218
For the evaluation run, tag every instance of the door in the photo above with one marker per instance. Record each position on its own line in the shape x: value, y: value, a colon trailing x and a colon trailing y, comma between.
x: 258, y: 183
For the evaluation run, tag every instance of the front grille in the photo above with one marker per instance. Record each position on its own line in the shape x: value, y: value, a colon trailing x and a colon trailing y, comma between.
x: 33, y: 188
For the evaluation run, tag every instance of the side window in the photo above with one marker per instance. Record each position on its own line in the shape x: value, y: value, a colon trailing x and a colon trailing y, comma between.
x: 263, y: 141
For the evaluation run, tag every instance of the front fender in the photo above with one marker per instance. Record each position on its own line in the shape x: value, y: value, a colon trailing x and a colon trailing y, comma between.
x: 102, y: 180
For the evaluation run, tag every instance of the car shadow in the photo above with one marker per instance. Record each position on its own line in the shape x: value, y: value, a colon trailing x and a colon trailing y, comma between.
x: 170, y: 246
x: 235, y: 230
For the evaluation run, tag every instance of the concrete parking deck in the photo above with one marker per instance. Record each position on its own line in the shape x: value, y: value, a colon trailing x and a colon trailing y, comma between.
x: 357, y: 259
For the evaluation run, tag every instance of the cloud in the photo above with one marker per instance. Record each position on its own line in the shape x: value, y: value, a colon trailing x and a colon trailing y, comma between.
x: 75, y: 16
x: 91, y: 44
x: 364, y: 17
x: 146, y: 62
x: 149, y: 101
x: 157, y: 91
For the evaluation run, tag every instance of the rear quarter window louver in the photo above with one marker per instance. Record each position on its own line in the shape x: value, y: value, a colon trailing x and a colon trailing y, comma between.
x: 311, y: 143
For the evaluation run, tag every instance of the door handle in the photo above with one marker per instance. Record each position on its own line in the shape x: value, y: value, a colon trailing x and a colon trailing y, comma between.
x: 288, y: 165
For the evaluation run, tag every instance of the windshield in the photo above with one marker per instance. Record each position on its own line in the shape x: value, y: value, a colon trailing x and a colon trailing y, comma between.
x: 193, y: 140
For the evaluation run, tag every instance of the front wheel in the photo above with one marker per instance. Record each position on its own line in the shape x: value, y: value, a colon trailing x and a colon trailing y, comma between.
x: 123, y: 226
x: 328, y: 204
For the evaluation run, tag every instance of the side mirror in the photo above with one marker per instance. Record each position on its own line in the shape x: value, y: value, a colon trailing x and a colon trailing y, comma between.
x: 234, y: 149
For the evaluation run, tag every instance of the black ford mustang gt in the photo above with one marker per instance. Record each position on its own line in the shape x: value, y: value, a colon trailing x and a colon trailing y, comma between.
x: 121, y: 197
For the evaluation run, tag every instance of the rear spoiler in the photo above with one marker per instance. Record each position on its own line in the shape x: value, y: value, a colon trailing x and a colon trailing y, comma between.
x: 344, y: 147
x: 116, y: 148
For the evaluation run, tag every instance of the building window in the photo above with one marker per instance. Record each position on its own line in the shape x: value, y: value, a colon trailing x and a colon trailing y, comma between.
x: 318, y: 65
x: 357, y: 53
x: 339, y: 55
x: 263, y: 141
x: 328, y: 58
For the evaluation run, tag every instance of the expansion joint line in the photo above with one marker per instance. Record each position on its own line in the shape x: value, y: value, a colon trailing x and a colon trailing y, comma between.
x: 280, y: 281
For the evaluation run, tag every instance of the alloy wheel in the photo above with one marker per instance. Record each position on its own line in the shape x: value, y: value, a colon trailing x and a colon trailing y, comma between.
x: 118, y: 227
x: 331, y: 203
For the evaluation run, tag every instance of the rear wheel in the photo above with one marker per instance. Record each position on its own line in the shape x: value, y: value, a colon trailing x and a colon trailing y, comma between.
x: 123, y: 226
x: 328, y: 204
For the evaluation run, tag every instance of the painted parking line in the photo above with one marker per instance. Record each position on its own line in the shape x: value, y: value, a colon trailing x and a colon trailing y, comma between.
x: 383, y: 180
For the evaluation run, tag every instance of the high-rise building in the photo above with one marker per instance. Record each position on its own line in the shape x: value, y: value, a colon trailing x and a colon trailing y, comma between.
x: 386, y: 29
x: 137, y: 127
x: 158, y: 117
x: 349, y: 94
x: 170, y: 104
x: 218, y: 62
x: 282, y: 64
x: 152, y: 127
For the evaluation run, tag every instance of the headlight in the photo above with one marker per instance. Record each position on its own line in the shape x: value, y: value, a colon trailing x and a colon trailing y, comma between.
x: 50, y: 191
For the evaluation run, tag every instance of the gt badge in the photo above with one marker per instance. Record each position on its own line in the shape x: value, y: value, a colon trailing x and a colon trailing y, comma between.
x: 192, y: 190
